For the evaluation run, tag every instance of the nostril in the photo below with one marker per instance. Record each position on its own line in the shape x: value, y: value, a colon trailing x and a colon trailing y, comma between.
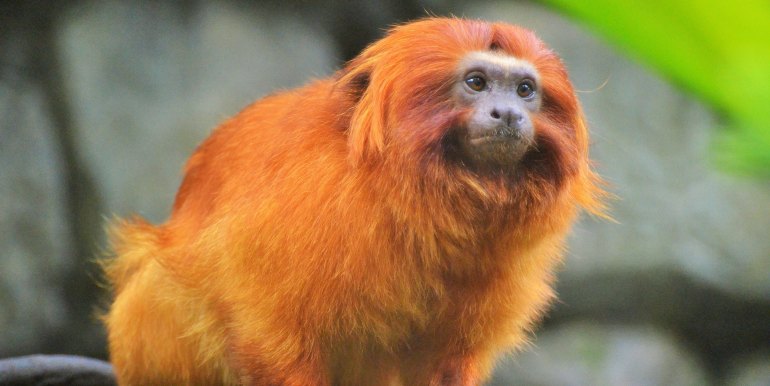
x: 495, y: 114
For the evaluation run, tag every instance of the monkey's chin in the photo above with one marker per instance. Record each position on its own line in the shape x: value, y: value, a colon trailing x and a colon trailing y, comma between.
x: 494, y: 152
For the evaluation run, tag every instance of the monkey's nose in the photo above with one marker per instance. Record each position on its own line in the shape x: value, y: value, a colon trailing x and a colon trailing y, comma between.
x: 511, y: 117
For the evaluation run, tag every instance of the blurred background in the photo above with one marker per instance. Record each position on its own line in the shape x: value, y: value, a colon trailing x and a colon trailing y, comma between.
x: 101, y: 102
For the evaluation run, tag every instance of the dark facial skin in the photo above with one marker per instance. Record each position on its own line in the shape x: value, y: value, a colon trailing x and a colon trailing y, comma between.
x: 502, y: 93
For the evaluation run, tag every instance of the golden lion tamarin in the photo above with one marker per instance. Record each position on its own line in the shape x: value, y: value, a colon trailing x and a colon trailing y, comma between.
x: 394, y: 224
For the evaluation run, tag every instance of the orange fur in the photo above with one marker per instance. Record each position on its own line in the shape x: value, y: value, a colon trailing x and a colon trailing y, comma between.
x: 321, y: 237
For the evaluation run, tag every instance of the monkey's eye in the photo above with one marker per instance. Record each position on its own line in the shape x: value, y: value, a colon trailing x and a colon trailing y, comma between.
x: 526, y: 89
x: 476, y: 83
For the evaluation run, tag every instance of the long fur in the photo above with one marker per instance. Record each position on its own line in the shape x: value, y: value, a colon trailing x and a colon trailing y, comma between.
x: 330, y: 235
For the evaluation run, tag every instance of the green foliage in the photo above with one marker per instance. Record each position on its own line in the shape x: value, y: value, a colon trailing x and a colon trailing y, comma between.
x: 718, y: 50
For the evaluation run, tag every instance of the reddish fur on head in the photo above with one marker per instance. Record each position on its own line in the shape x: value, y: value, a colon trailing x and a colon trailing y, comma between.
x: 332, y: 235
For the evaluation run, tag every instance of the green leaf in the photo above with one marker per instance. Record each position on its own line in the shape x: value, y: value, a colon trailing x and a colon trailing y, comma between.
x: 718, y: 50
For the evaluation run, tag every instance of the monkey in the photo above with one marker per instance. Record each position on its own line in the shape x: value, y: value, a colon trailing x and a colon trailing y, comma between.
x: 397, y: 223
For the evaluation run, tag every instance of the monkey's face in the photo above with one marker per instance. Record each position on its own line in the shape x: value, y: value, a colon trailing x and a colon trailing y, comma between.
x: 438, y: 97
x: 499, y: 95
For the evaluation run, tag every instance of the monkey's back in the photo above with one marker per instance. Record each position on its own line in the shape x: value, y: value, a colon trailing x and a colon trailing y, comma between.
x: 267, y: 226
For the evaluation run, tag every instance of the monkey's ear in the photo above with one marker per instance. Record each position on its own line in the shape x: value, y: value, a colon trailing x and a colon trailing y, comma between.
x: 357, y: 85
x: 366, y: 125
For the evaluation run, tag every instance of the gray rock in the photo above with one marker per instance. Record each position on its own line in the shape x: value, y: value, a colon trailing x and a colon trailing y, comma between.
x: 150, y: 80
x: 653, y: 143
x: 591, y: 355
x: 35, y: 239
x: 753, y: 371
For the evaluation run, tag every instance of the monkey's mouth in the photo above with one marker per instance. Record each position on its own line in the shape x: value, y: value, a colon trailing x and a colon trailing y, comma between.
x: 494, y: 149
x: 490, y: 139
x: 497, y: 135
x: 487, y: 149
x: 508, y: 138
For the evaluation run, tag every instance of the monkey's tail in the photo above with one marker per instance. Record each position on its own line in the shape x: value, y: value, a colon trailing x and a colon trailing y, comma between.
x: 132, y: 244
